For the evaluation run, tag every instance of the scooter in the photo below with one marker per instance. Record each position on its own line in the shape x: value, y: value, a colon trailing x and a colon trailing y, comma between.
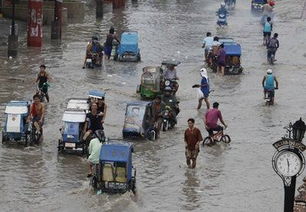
x: 222, y: 20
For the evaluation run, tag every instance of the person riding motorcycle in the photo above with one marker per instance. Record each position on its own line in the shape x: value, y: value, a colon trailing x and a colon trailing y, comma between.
x: 171, y: 75
x: 170, y: 101
x: 94, y: 51
x: 272, y: 46
x: 222, y: 14
x: 268, y: 85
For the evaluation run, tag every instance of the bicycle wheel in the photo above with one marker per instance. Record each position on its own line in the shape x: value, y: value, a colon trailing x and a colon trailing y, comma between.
x: 207, y: 140
x: 225, y: 139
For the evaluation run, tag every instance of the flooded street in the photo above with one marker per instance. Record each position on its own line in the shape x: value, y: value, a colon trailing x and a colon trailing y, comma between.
x: 234, y: 178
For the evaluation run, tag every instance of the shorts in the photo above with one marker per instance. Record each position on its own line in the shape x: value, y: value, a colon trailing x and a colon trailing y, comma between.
x: 107, y: 50
x: 221, y: 63
x: 216, y: 129
x: 191, y: 154
x: 267, y: 33
x: 272, y: 92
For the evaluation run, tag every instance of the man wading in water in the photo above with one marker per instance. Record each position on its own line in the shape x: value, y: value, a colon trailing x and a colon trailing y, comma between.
x: 192, y: 139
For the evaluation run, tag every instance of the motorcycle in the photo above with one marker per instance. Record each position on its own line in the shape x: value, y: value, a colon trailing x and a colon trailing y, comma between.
x: 168, y: 119
x: 222, y: 20
x: 172, y: 84
x: 270, y: 96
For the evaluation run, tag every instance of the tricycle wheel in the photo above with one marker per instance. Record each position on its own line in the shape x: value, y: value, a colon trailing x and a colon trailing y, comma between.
x: 138, y: 89
x: 152, y: 135
x: 133, y: 186
x: 165, y: 126
x: 94, y: 182
x: 138, y: 57
x: 3, y: 138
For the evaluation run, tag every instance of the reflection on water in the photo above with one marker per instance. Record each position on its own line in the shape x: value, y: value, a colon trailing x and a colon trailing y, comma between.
x: 190, y: 190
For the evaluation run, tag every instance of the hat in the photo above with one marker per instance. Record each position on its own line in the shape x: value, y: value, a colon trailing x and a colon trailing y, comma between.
x: 203, y: 72
x: 269, y: 71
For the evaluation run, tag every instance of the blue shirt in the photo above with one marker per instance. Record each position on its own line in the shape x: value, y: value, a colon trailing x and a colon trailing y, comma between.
x: 269, y: 83
x: 205, y: 86
x: 267, y: 27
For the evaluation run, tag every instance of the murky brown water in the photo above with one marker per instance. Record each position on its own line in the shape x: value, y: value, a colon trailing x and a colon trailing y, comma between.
x: 231, y: 178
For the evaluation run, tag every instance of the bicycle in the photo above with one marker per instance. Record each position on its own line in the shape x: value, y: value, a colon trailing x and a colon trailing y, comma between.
x: 219, y: 137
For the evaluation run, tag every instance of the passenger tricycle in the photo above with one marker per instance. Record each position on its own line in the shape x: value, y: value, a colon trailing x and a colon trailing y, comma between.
x: 73, y: 124
x: 150, y: 83
x: 15, y: 125
x: 115, y: 172
x: 128, y: 50
x: 139, y: 121
x: 257, y: 6
x: 233, y: 54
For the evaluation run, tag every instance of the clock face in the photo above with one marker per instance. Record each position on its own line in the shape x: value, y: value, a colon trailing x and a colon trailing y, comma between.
x: 288, y: 164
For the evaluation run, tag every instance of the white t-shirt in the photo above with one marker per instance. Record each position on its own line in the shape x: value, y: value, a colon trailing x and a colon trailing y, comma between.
x: 216, y: 43
x: 208, y: 41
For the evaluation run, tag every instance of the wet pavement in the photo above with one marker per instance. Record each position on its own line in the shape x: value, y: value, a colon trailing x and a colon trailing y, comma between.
x: 234, y: 178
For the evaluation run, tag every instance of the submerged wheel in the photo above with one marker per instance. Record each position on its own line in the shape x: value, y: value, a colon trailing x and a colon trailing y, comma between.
x: 225, y: 139
x: 3, y: 138
x: 133, y: 186
x: 207, y: 140
x: 165, y: 125
x: 152, y: 135
x: 94, y: 182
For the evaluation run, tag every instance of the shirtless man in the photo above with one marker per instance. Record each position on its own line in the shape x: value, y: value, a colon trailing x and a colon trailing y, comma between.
x: 37, y: 113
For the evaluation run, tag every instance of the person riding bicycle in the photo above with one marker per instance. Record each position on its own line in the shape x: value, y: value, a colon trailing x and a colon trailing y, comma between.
x: 268, y: 84
x: 211, y: 121
x: 267, y: 30
x: 42, y: 80
x: 37, y: 113
x: 272, y: 46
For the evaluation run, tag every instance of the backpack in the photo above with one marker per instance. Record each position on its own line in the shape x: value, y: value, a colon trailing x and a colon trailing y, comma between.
x: 273, y: 43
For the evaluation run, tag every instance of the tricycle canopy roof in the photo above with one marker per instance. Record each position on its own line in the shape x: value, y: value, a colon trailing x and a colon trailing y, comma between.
x: 78, y: 104
x: 259, y: 1
x: 96, y: 94
x: 230, y: 46
x: 171, y: 62
x: 234, y: 49
x: 129, y: 38
x: 17, y: 107
x: 74, y: 116
x: 226, y: 41
x: 138, y: 103
x: 151, y: 69
x: 116, y: 151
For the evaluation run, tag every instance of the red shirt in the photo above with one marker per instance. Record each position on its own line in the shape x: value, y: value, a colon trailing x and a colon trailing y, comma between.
x: 192, y: 137
x: 211, y: 117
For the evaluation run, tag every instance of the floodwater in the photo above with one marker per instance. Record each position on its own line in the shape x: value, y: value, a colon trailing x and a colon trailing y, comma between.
x: 234, y: 178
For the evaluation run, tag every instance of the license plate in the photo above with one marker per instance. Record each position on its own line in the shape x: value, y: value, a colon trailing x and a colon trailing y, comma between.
x: 88, y: 60
x: 70, y: 145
